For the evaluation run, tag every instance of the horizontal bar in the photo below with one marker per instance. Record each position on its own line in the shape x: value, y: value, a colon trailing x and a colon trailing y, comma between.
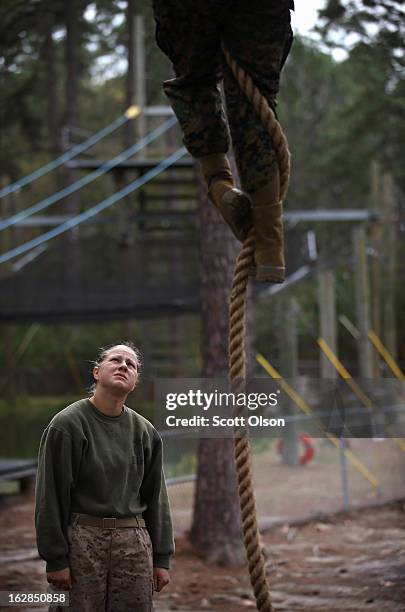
x: 141, y: 164
x: 331, y: 215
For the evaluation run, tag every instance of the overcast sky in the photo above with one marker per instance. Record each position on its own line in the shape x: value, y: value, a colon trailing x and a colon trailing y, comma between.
x: 305, y: 15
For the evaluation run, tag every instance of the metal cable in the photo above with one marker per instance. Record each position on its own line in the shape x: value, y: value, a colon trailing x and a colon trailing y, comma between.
x: 58, y: 161
x: 92, y: 212
x: 89, y: 178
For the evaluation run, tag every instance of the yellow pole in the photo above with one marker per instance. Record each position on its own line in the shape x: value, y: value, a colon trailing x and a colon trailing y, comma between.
x: 389, y: 360
x: 344, y: 373
x: 304, y: 407
x: 378, y: 345
x: 353, y: 385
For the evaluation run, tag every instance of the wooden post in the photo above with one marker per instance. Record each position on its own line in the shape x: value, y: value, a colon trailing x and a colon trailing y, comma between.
x: 136, y: 74
x: 327, y: 319
x: 129, y: 130
x: 9, y: 383
x: 135, y: 95
x: 140, y: 74
x: 362, y: 296
x: 8, y: 240
x: 289, y: 369
x: 328, y: 331
x: 123, y: 231
x: 376, y: 236
x: 389, y: 265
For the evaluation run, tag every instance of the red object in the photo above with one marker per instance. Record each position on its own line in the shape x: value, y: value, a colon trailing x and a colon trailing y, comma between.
x: 309, y: 449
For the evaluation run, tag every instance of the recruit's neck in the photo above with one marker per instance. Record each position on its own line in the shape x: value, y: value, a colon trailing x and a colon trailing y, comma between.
x: 110, y: 405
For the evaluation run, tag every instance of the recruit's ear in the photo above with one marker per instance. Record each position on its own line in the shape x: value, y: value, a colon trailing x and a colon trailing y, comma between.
x: 95, y: 372
x: 136, y: 381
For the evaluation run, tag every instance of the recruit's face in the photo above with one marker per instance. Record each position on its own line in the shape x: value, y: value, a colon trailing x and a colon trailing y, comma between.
x: 119, y: 370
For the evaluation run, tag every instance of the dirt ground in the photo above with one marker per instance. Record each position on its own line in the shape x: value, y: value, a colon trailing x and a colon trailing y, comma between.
x: 345, y: 562
x: 350, y: 562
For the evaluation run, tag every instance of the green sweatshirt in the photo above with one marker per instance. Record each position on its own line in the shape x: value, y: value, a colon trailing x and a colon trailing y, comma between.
x: 103, y: 466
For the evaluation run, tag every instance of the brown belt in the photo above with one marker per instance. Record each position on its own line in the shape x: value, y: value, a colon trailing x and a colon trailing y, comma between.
x: 106, y: 523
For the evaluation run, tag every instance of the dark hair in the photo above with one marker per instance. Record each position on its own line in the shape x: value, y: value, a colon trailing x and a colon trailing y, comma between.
x: 103, y: 352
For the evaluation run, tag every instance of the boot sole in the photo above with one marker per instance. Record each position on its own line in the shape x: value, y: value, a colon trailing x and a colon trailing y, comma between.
x: 268, y: 274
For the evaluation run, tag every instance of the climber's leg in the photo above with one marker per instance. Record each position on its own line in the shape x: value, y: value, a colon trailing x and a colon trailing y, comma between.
x: 189, y: 32
x: 234, y: 205
x: 258, y: 35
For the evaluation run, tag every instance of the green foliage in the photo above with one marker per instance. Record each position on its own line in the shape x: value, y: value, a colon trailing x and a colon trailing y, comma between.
x: 23, y: 420
x: 261, y: 445
x: 372, y: 22
x: 373, y: 128
x: 312, y: 90
x: 185, y: 466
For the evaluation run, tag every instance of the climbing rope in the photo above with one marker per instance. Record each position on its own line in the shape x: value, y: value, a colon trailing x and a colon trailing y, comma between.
x: 237, y: 366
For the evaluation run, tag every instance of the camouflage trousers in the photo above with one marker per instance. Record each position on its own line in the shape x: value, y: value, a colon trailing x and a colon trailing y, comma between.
x: 258, y: 35
x: 111, y: 569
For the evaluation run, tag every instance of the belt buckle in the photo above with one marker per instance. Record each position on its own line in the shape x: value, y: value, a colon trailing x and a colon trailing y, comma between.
x: 109, y: 523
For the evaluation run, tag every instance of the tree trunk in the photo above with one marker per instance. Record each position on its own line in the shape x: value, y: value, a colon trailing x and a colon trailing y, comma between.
x: 216, y: 528
x: 52, y: 98
x: 72, y: 23
x: 72, y: 50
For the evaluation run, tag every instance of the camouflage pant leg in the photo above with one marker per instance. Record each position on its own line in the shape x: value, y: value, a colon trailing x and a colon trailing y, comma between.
x: 130, y: 580
x: 258, y: 34
x: 189, y: 33
x: 259, y: 37
x: 88, y: 560
x: 111, y: 569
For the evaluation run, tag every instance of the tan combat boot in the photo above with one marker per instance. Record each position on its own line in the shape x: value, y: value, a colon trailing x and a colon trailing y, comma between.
x: 269, y: 235
x: 234, y: 205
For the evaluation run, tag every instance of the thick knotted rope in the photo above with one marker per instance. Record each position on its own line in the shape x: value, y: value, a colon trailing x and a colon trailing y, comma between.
x: 268, y: 119
x: 237, y: 365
